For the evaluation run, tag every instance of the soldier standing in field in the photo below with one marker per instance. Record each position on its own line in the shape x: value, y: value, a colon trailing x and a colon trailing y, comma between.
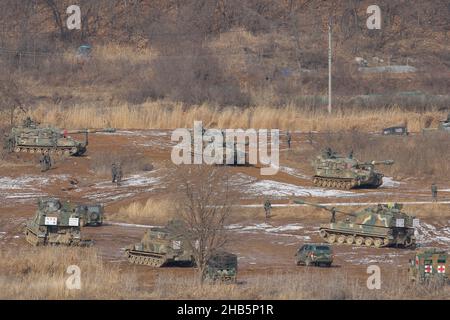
x: 114, y: 172
x: 333, y: 215
x: 119, y: 173
x: 288, y: 136
x: 434, y: 192
x: 45, y: 162
x: 267, y: 208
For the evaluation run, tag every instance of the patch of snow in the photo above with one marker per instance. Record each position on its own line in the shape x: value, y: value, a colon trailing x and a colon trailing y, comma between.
x: 275, y: 189
x: 389, y: 182
x: 121, y: 224
x: 294, y: 172
x: 427, y: 233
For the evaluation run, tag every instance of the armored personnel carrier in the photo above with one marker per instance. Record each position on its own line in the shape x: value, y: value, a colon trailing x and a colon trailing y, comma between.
x: 428, y: 264
x: 222, y: 266
x: 55, y: 223
x: 162, y: 246
x: 375, y: 226
x: 90, y: 214
x: 336, y: 171
x: 31, y: 138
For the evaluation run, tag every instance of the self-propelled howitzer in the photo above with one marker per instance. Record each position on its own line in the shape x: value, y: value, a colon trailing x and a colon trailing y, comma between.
x: 380, y: 225
x: 336, y: 171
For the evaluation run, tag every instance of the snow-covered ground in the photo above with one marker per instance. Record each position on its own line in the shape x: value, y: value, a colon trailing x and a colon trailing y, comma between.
x: 27, y: 188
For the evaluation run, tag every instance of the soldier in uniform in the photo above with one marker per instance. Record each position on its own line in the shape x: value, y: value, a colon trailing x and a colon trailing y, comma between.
x: 434, y: 191
x: 27, y: 122
x: 10, y: 144
x: 45, y: 162
x: 119, y: 173
x: 267, y: 208
x: 114, y: 172
x: 333, y: 215
x: 289, y: 138
x: 350, y: 155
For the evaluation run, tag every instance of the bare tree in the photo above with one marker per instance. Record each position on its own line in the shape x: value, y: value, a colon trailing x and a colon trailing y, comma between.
x: 11, y: 97
x: 204, y: 205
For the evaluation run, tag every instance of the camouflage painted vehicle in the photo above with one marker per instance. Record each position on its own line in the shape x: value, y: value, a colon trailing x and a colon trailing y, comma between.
x: 162, y: 246
x: 232, y: 155
x: 375, y: 226
x: 223, y: 267
x: 90, y: 214
x: 55, y: 223
x: 429, y: 264
x: 317, y: 254
x: 335, y: 171
x: 34, y: 139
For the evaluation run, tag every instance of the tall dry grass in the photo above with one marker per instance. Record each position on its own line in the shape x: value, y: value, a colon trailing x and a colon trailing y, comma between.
x: 166, y: 115
x: 304, y: 284
x: 149, y: 211
x: 40, y: 273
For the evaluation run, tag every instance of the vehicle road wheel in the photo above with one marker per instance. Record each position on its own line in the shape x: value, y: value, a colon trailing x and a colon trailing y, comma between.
x: 368, y: 242
x: 359, y: 241
x: 378, y: 243
x: 350, y: 239
x: 386, y: 241
x: 323, y: 234
x: 331, y: 238
x: 341, y: 239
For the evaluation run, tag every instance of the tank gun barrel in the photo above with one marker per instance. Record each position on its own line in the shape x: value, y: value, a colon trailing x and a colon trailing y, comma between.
x: 299, y: 201
x: 385, y: 162
x: 108, y: 130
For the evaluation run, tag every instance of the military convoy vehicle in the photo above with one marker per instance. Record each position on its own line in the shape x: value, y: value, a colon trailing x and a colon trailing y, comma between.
x: 317, y: 254
x: 55, y: 223
x: 222, y: 267
x: 375, y: 226
x: 162, y: 246
x: 31, y: 138
x: 336, y: 171
x: 398, y: 131
x: 429, y: 264
x: 90, y: 215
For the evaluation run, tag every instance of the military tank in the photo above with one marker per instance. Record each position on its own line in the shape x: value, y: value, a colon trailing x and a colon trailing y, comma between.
x: 55, y: 223
x: 335, y: 171
x: 31, y: 138
x: 162, y: 246
x: 232, y: 153
x: 375, y: 226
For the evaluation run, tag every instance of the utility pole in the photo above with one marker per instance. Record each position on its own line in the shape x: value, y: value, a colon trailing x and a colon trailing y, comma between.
x: 329, y: 65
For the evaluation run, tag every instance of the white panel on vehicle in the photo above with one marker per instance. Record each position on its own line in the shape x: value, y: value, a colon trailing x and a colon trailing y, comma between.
x: 416, y: 222
x: 74, y: 222
x: 176, y: 245
x: 51, y: 221
x: 400, y: 223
